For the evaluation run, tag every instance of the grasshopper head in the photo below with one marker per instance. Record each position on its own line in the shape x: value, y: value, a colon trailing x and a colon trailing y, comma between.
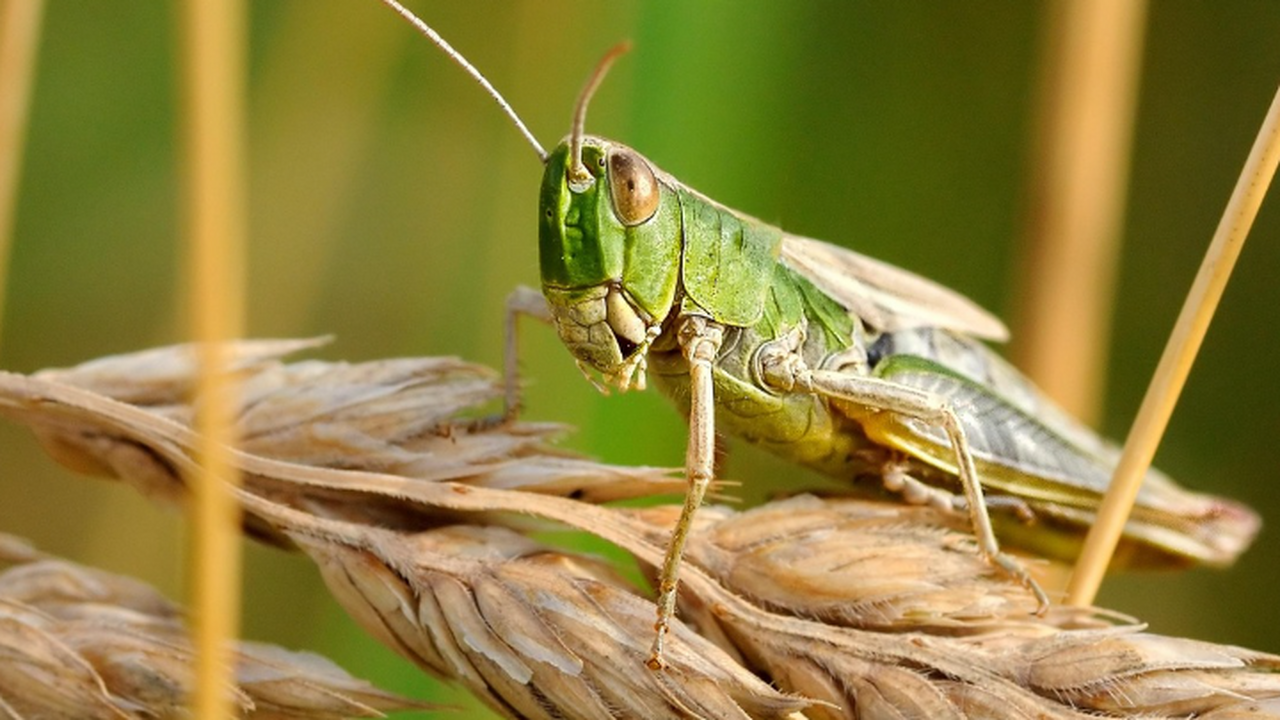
x: 609, y: 242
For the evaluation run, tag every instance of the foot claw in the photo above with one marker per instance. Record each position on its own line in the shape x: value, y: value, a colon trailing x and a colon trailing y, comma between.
x: 1014, y: 568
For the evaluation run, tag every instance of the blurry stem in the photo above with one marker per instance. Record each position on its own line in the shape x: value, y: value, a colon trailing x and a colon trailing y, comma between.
x: 307, y: 191
x: 1179, y: 353
x: 19, y: 40
x: 214, y: 40
x: 1065, y: 280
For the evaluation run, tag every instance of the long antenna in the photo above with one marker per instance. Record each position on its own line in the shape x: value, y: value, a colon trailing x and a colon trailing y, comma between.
x: 461, y: 61
x: 578, y: 174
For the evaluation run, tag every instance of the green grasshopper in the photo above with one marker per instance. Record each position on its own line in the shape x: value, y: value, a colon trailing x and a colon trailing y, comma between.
x: 837, y: 361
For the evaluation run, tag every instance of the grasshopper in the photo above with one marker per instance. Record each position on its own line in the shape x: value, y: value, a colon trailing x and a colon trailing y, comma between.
x: 829, y: 358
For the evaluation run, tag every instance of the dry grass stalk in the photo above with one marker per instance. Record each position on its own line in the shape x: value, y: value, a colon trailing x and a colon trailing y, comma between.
x: 20, y: 25
x: 82, y: 643
x: 215, y: 52
x: 1065, y: 282
x: 1179, y: 353
x: 416, y: 515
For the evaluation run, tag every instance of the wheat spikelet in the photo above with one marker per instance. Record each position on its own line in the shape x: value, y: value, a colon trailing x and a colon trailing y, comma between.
x: 82, y: 643
x: 416, y: 512
x: 535, y: 632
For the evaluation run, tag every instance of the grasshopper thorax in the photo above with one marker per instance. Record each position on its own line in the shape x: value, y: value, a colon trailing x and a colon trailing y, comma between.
x: 609, y: 244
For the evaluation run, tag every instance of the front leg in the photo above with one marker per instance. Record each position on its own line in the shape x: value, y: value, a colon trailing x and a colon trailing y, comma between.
x: 525, y: 301
x: 700, y: 340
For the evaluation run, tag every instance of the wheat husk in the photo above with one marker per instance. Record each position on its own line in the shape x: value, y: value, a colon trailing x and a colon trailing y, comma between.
x: 76, y: 642
x: 418, y: 509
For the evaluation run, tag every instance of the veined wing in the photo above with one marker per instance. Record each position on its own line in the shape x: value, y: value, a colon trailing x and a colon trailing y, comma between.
x: 1020, y: 455
x: 885, y: 297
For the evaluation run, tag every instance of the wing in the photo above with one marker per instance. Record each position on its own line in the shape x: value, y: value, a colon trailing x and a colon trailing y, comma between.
x: 1038, y: 461
x: 886, y: 297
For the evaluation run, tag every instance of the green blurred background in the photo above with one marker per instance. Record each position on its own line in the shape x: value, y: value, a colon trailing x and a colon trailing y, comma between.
x: 393, y: 207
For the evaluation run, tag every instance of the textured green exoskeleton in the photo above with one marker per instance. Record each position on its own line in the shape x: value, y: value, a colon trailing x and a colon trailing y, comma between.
x: 829, y: 358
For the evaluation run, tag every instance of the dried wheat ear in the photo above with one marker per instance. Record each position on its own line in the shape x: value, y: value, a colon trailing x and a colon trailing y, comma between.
x: 76, y: 642
x: 419, y: 514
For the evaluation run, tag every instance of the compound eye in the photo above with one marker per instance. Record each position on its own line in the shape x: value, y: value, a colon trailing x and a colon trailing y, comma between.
x: 635, y: 189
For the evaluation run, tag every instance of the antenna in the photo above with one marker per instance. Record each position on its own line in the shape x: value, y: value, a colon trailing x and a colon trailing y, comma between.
x: 461, y: 61
x: 578, y: 175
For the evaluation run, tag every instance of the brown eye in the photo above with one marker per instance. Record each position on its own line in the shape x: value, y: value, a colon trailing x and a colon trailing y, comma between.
x: 635, y: 189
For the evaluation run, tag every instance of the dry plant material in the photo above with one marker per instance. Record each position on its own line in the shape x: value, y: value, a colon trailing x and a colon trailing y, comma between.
x: 417, y: 509
x: 403, y: 417
x: 82, y: 643
x: 214, y: 80
x: 534, y: 632
x: 20, y: 26
x: 1078, y: 177
x: 1175, y: 361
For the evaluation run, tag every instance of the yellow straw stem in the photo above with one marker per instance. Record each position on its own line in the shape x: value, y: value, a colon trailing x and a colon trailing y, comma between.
x: 213, y: 85
x: 1066, y: 276
x: 19, y: 40
x: 1175, y: 364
